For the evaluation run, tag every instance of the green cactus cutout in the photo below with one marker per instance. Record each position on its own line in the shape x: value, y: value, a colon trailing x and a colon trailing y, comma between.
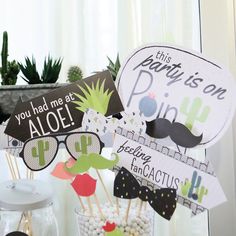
x: 203, y: 192
x: 194, y: 112
x: 95, y: 97
x: 40, y: 150
x: 185, y: 187
x: 82, y: 146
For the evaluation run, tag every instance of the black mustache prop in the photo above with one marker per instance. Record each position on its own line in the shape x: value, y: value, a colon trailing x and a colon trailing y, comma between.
x: 179, y: 134
x: 163, y: 201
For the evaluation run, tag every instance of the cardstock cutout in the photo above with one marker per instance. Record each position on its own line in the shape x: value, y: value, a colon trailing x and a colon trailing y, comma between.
x: 91, y: 160
x: 94, y: 97
x: 111, y: 230
x: 17, y: 233
x: 179, y: 134
x: 84, y: 185
x: 38, y: 153
x: 60, y: 172
x: 8, y: 143
x: 162, y: 167
x: 179, y: 85
x: 96, y: 122
x: 55, y: 112
x: 163, y: 201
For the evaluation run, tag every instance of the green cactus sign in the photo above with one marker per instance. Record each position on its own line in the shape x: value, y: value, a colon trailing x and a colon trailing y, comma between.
x: 179, y: 85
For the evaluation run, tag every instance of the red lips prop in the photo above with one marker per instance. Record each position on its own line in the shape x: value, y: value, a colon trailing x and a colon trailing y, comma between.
x: 84, y: 185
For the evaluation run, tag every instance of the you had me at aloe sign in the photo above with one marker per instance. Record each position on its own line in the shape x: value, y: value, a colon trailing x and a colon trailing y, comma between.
x: 62, y: 110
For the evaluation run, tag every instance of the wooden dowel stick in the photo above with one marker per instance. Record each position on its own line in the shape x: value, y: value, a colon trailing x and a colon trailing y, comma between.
x: 90, y: 206
x: 127, y: 211
x: 137, y: 201
x: 145, y: 206
x: 17, y: 168
x: 98, y: 205
x: 10, y: 167
x: 140, y: 208
x: 81, y: 203
x: 104, y: 187
x: 21, y: 218
x: 117, y: 206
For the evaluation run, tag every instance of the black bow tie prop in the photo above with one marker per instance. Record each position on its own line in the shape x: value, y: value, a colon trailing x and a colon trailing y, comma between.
x: 163, y: 201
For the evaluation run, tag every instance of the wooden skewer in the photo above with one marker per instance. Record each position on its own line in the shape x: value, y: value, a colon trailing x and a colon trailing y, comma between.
x: 98, y: 205
x: 104, y: 187
x: 81, y: 203
x: 140, y: 208
x: 17, y: 168
x: 90, y: 206
x: 21, y: 218
x: 10, y: 166
x: 127, y: 211
x: 117, y: 206
x: 145, y: 206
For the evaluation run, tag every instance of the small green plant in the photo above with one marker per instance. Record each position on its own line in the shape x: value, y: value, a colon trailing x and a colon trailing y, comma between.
x: 74, y: 74
x: 114, y: 67
x: 39, y: 151
x: 50, y: 73
x: 95, y: 97
x: 9, y: 69
x: 82, y: 146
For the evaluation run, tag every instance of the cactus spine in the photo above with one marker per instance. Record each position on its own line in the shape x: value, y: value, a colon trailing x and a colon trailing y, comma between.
x: 40, y: 150
x: 82, y: 146
x: 194, y: 113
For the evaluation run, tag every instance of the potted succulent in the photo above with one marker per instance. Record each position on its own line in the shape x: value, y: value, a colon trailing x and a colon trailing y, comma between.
x: 37, y: 85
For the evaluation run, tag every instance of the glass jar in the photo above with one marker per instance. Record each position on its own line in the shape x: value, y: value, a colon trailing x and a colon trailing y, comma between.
x: 26, y: 206
x: 135, y: 224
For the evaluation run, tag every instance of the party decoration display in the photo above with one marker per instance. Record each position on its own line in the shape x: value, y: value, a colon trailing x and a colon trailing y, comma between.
x: 163, y: 201
x: 159, y: 75
x: 56, y: 112
x: 84, y: 185
x: 111, y: 230
x: 94, y: 160
x: 179, y: 134
x: 39, y: 152
x: 161, y: 167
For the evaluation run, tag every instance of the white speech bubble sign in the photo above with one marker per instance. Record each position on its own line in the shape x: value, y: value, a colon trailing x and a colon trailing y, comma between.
x: 179, y: 85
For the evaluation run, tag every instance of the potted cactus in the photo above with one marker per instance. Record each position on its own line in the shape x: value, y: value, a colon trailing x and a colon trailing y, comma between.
x: 37, y: 85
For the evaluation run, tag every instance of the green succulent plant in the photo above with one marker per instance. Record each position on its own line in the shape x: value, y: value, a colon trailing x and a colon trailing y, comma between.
x: 95, y: 97
x: 74, y: 74
x: 114, y: 67
x: 50, y: 73
x: 9, y: 69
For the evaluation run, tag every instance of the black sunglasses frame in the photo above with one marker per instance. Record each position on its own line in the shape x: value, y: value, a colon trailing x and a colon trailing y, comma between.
x: 54, y: 136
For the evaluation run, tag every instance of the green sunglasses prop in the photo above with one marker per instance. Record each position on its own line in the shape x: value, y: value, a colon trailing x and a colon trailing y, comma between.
x: 39, y: 152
